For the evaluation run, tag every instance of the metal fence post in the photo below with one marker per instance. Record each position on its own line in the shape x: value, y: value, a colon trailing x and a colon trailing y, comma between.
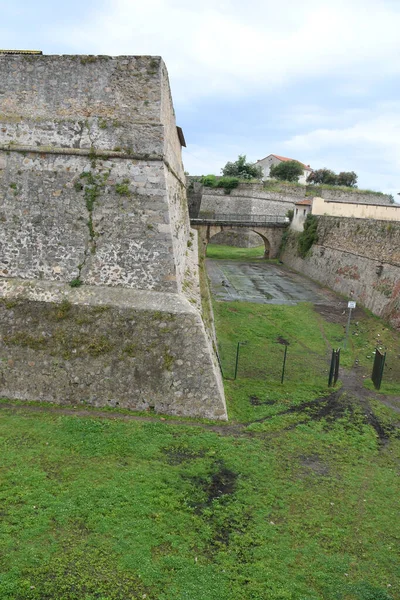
x: 237, y: 359
x: 336, y: 373
x: 284, y: 364
x: 377, y: 369
x: 334, y: 369
x: 237, y: 356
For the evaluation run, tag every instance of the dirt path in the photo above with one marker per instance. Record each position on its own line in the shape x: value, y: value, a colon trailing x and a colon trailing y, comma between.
x: 351, y: 393
x: 353, y: 382
x: 223, y: 429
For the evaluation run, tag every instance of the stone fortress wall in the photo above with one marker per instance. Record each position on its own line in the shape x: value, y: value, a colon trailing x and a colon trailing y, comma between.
x: 246, y: 199
x: 92, y: 195
x: 355, y: 255
x: 277, y: 198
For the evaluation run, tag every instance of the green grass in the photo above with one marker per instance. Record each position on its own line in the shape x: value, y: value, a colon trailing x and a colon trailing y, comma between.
x: 263, y: 327
x: 340, y: 188
x: 310, y: 338
x: 386, y: 388
x: 299, y: 502
x: 105, y: 509
x: 115, y: 510
x: 233, y: 253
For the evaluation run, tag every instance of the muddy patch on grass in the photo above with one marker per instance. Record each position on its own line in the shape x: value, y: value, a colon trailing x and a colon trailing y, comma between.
x: 313, y: 464
x: 336, y: 311
x: 212, y: 497
x: 255, y: 401
x: 221, y: 483
x: 176, y: 455
x: 341, y: 405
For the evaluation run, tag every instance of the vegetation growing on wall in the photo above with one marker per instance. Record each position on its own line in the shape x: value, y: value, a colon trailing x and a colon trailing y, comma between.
x: 309, y: 236
x: 315, y: 190
x: 92, y: 184
x: 227, y: 183
x: 284, y: 241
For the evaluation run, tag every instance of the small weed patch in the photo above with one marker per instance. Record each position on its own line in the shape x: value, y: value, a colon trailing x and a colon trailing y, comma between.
x: 122, y: 189
x: 227, y: 183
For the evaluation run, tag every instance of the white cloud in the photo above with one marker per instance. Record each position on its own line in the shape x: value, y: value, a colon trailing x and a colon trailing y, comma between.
x: 238, y: 48
x: 231, y: 50
x: 370, y: 146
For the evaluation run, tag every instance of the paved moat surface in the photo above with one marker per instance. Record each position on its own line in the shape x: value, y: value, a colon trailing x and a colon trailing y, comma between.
x: 261, y: 282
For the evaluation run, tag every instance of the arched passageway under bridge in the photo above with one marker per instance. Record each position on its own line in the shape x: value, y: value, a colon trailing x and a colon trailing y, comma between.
x: 270, y: 234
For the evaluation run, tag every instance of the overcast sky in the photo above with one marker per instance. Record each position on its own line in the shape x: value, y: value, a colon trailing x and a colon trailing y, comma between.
x: 313, y: 80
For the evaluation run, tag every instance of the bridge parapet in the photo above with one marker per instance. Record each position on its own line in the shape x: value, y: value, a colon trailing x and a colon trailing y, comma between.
x: 241, y: 220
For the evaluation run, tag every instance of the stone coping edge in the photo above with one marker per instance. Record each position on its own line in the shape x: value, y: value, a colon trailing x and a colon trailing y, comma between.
x: 92, y: 154
x: 89, y: 295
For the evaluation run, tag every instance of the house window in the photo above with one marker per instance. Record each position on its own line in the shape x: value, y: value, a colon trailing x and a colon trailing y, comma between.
x: 297, y: 210
x: 304, y: 211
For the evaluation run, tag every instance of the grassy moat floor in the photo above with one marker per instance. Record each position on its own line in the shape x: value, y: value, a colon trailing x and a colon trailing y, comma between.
x: 295, y: 498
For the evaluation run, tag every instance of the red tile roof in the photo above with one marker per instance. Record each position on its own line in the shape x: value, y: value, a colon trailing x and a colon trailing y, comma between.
x: 284, y: 158
x: 306, y: 202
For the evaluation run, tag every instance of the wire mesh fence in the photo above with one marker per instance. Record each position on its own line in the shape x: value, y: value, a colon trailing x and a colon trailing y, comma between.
x: 276, y: 362
x: 264, y: 360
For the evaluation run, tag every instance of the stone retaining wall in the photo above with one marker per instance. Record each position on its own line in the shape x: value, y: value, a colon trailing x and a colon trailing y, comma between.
x: 356, y: 257
x: 274, y: 198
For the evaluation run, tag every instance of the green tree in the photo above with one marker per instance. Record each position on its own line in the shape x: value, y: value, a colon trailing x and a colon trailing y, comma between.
x: 328, y: 177
x: 242, y: 169
x: 289, y: 170
x: 347, y: 178
x: 325, y: 176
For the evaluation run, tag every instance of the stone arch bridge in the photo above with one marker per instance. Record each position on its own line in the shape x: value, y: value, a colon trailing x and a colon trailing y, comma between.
x: 269, y: 227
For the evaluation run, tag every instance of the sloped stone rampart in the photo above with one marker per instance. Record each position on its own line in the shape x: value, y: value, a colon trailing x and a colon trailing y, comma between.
x: 106, y: 346
x: 45, y: 231
x: 246, y: 199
